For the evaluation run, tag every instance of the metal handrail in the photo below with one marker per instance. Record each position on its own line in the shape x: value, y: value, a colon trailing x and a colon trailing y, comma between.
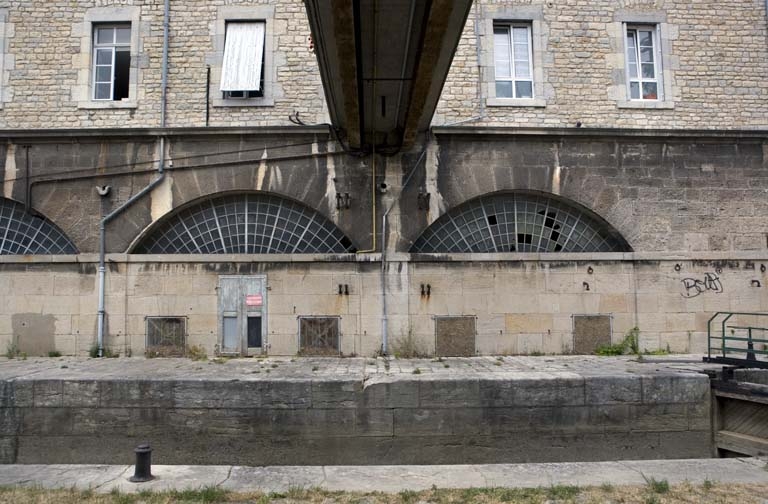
x: 751, y: 352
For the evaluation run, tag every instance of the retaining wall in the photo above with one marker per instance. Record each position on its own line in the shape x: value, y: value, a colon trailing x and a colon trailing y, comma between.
x: 513, y: 417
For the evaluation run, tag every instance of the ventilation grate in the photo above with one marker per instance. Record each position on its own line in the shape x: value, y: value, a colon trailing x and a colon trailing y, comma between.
x: 166, y: 336
x: 319, y: 336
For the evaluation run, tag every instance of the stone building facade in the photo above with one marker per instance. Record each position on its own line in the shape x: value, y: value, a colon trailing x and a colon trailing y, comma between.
x: 672, y: 186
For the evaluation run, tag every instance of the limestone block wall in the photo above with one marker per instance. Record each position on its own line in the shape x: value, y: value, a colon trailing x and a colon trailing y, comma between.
x: 715, y: 63
x: 304, y: 420
x: 520, y: 306
x: 48, y: 64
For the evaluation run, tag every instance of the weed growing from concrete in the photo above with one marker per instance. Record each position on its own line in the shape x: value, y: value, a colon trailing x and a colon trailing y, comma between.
x: 416, y: 371
x: 315, y: 368
x: 658, y: 486
x: 197, y: 353
x: 629, y: 345
x: 54, y: 353
x: 12, y: 352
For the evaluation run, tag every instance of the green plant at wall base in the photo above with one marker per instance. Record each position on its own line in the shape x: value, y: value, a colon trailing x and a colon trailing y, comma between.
x: 54, y: 353
x: 197, y: 353
x: 629, y: 345
x: 12, y: 351
x: 93, y: 352
x: 407, y: 348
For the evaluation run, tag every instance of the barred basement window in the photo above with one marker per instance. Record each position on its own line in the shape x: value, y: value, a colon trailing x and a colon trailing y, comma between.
x: 319, y: 336
x: 245, y: 224
x: 519, y: 222
x: 166, y: 336
x: 22, y: 233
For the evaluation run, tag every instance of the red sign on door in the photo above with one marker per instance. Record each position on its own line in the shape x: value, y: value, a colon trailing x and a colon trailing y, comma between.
x: 254, y: 300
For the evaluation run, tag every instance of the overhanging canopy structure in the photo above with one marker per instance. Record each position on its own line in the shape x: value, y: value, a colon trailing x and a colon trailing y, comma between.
x: 383, y: 64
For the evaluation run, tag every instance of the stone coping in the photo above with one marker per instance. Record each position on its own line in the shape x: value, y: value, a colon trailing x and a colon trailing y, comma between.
x: 568, y: 367
x: 629, y: 257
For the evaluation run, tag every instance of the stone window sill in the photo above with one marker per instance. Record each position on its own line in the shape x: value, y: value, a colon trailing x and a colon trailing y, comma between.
x: 250, y: 102
x: 516, y: 102
x: 636, y: 104
x: 108, y: 104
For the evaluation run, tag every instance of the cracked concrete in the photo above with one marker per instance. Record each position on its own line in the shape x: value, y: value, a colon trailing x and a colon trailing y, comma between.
x: 396, y: 478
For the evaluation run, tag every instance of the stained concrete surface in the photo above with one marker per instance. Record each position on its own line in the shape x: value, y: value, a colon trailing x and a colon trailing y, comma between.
x: 321, y: 411
x: 105, y: 478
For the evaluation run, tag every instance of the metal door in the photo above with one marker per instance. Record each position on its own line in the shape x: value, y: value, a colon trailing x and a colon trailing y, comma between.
x: 242, y: 314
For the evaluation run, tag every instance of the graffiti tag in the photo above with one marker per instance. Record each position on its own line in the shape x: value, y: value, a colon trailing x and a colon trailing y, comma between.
x: 694, y: 286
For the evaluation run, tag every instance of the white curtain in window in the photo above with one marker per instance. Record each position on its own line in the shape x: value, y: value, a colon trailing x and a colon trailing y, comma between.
x: 243, y: 53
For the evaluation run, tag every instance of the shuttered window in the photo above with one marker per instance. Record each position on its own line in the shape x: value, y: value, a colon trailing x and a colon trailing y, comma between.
x: 242, y: 66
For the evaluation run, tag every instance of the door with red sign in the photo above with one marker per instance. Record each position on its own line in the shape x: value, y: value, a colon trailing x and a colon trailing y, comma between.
x: 242, y: 314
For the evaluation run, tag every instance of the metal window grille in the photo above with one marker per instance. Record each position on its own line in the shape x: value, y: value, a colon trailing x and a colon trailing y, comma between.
x: 166, y: 336
x: 246, y: 224
x: 519, y: 222
x: 21, y: 233
x: 319, y: 336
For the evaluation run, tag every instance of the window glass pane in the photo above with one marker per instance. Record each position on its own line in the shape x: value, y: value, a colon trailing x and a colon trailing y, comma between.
x: 254, y: 332
x: 124, y: 35
x: 503, y: 69
x: 648, y: 71
x: 524, y: 89
x: 105, y: 35
x: 103, y: 91
x: 504, y: 89
x: 230, y: 333
x: 103, y: 56
x: 520, y: 35
x: 634, y: 90
x: 521, y: 52
x: 103, y: 73
x: 650, y: 91
x: 500, y: 36
x: 646, y: 54
x: 631, y: 43
x: 522, y: 69
x: 633, y: 70
x: 646, y: 38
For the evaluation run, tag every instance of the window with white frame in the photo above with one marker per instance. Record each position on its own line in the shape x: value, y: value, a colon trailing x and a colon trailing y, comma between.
x: 242, y: 69
x: 643, y: 63
x: 111, y: 61
x: 513, y: 60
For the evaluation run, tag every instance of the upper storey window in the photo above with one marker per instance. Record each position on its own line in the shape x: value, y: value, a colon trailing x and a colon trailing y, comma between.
x: 111, y: 61
x: 242, y: 69
x: 513, y: 60
x: 643, y: 63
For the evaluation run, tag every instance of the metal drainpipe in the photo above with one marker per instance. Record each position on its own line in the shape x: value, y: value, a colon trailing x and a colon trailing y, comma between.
x: 384, y: 316
x: 160, y: 177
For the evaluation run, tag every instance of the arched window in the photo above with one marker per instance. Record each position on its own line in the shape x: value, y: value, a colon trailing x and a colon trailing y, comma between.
x: 520, y: 222
x: 22, y: 233
x: 245, y: 224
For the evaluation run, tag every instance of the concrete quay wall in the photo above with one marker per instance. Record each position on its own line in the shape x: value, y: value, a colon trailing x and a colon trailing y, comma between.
x: 506, y: 418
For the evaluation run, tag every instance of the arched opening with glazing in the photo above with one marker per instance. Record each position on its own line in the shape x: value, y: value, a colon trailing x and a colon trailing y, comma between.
x: 22, y: 233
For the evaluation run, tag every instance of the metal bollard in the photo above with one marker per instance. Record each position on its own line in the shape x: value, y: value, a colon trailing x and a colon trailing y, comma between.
x: 143, y: 470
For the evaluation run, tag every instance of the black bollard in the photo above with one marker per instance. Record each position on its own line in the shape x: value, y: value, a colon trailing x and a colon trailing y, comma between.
x: 143, y: 470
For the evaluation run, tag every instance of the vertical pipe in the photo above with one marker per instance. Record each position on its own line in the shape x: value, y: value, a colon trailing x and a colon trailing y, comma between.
x: 207, y: 95
x: 164, y: 84
x: 161, y: 175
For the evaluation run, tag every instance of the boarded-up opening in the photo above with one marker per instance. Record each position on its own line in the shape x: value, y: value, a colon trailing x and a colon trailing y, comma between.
x: 319, y: 336
x: 455, y: 336
x: 166, y: 336
x: 590, y: 332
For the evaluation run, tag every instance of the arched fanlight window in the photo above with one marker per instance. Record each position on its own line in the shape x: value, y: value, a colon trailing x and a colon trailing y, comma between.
x: 22, y: 233
x: 245, y: 224
x: 520, y: 222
